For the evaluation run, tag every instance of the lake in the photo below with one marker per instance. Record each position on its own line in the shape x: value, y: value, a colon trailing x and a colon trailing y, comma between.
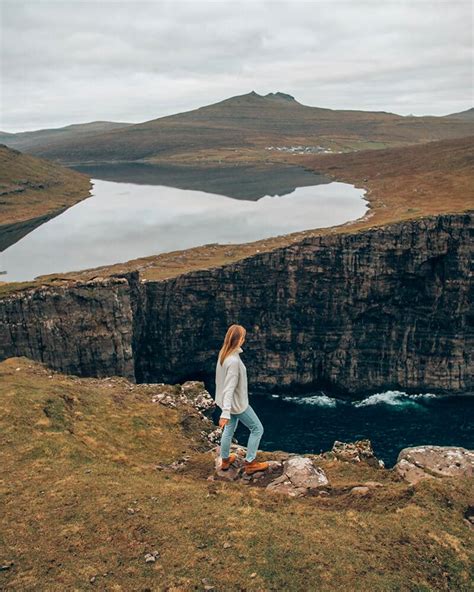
x: 392, y: 420
x: 126, y: 220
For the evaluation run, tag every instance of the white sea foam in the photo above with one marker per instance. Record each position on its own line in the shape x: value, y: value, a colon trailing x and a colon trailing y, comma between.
x: 319, y: 400
x: 394, y: 398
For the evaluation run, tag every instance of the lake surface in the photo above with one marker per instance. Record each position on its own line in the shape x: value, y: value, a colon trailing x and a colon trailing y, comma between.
x: 392, y: 420
x: 238, y: 181
x: 123, y: 221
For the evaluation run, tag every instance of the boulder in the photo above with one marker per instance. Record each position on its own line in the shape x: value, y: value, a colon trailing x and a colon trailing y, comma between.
x: 300, y: 477
x: 283, y: 485
x: 425, y: 462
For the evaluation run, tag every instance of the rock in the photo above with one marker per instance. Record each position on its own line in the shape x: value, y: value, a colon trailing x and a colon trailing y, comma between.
x: 151, y: 557
x: 207, y: 585
x: 7, y: 565
x: 301, y: 472
x: 195, y: 393
x: 410, y: 472
x: 360, y: 490
x: 300, y: 477
x: 192, y: 392
x: 430, y: 462
x: 214, y: 437
x: 373, y: 484
x: 233, y: 472
x: 469, y: 515
x: 227, y: 545
x: 359, y: 451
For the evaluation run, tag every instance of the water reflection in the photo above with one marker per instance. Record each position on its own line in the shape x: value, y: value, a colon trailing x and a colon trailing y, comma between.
x: 123, y: 221
x: 241, y: 181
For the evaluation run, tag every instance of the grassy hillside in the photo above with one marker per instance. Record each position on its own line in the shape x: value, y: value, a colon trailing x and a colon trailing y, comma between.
x: 249, y: 121
x: 33, y: 190
x: 22, y: 140
x: 83, y: 503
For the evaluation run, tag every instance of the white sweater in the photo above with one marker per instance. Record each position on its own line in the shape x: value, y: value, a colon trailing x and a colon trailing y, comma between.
x: 231, y: 385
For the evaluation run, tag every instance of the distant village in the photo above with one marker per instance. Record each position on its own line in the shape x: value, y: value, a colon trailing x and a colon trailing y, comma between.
x: 302, y: 149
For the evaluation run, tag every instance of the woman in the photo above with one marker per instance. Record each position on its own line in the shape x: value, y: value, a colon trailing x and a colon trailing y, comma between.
x: 232, y: 398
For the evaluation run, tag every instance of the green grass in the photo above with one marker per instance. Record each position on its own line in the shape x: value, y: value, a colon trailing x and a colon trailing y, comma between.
x: 83, y: 500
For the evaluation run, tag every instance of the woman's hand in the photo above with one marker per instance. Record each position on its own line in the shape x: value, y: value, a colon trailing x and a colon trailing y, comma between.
x: 223, y: 421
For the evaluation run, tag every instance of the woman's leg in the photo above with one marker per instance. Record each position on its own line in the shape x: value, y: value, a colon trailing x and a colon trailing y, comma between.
x: 227, y: 433
x: 250, y: 419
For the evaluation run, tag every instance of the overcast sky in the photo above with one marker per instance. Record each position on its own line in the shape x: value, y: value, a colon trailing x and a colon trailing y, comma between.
x: 72, y: 61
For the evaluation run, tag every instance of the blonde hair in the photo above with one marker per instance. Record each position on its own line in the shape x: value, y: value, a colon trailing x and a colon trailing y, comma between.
x: 232, y: 340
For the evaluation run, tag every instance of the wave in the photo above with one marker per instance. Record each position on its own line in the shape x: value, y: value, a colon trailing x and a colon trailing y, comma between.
x: 319, y: 400
x: 394, y: 398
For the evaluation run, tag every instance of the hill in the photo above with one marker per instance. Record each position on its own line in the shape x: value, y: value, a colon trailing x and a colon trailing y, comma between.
x: 85, y: 505
x: 28, y: 140
x: 467, y: 115
x: 33, y: 190
x: 249, y: 122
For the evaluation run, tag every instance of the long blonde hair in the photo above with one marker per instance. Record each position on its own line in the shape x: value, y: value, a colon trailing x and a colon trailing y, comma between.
x: 232, y: 340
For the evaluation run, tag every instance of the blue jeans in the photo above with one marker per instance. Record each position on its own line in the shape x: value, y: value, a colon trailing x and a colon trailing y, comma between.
x: 250, y: 420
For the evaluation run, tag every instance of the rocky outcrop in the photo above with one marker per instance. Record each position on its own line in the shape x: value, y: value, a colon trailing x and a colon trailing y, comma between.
x: 383, y: 308
x: 297, y: 476
x: 355, y: 452
x: 429, y: 462
x: 192, y: 392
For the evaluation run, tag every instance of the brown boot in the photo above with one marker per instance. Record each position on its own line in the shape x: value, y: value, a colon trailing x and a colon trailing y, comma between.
x: 254, y: 466
x: 226, y: 462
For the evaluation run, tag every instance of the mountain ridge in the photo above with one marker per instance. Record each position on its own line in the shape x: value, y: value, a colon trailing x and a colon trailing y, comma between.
x: 241, y: 125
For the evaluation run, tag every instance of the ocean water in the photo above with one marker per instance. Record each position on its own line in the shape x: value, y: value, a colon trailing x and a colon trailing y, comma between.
x: 392, y: 420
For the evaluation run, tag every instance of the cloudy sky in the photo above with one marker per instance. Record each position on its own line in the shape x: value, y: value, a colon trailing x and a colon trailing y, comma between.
x: 72, y: 61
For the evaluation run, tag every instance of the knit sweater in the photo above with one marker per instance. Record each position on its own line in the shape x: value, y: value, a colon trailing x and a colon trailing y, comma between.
x: 231, y: 385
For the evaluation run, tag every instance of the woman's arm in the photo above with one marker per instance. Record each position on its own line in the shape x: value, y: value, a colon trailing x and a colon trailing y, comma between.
x: 230, y: 382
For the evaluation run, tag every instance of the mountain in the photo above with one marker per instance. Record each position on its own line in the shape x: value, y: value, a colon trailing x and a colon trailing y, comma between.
x: 28, y: 140
x: 32, y: 191
x: 242, y: 124
x: 467, y: 115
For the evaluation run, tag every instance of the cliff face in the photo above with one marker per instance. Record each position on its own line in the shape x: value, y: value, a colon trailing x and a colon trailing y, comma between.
x: 384, y: 308
x: 84, y: 329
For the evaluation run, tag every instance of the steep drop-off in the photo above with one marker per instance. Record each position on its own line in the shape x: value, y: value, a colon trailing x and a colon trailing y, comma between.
x: 387, y: 307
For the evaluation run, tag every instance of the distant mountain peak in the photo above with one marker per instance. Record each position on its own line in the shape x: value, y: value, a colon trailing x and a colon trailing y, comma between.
x: 272, y: 95
x: 280, y: 95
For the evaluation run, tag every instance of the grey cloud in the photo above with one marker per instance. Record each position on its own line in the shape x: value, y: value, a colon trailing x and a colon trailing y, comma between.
x: 70, y: 61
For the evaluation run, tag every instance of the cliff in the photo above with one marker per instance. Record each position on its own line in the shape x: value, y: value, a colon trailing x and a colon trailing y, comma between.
x: 387, y: 307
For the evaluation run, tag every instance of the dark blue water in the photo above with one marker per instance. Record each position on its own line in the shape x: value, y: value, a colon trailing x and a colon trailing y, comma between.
x: 391, y: 420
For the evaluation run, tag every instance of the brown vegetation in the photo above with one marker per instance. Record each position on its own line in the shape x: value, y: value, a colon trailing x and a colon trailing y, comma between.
x: 83, y: 504
x: 32, y: 190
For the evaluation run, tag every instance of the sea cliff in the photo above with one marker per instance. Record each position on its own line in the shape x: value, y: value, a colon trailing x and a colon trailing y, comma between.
x: 387, y: 307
